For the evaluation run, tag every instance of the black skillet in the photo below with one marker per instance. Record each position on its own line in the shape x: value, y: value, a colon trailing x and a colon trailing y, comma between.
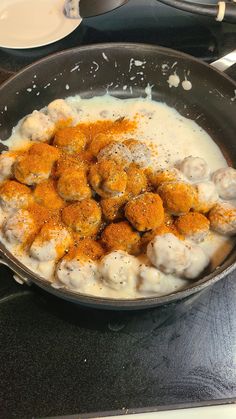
x: 98, y: 69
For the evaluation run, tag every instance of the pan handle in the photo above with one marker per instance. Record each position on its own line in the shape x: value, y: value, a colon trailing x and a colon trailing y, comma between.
x: 225, y: 62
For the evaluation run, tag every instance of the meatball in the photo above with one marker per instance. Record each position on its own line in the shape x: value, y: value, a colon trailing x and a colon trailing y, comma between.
x: 100, y: 141
x: 51, y: 243
x: 195, y: 168
x: 73, y: 186
x: 162, y: 176
x: 45, y: 194
x: 37, y: 127
x: 70, y: 139
x: 119, y: 270
x: 86, y: 250
x: 66, y: 161
x: 121, y: 236
x: 112, y: 207
x: 83, y: 217
x: 59, y: 110
x: 178, y: 197
x: 20, y: 228
x: 35, y: 165
x: 145, y: 212
x: 159, y: 231
x: 199, y: 260
x: 169, y: 254
x: 117, y: 152
x: 7, y: 161
x: 225, y: 181
x: 141, y: 155
x: 14, y: 195
x: 207, y: 196
x: 108, y: 179
x: 136, y: 182
x: 151, y: 281
x: 194, y: 226
x: 223, y: 219
x: 77, y: 275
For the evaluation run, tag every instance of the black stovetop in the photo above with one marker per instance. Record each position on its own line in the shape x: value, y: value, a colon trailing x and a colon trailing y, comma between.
x: 57, y: 358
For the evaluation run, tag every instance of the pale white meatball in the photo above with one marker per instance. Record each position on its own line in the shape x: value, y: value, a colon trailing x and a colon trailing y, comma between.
x: 169, y: 254
x: 207, y: 196
x: 223, y: 219
x: 117, y: 152
x: 19, y: 227
x: 59, y: 110
x: 119, y: 270
x: 199, y: 260
x: 37, y: 127
x: 6, y: 164
x: 51, y: 243
x: 151, y: 281
x: 194, y: 168
x: 225, y: 181
x: 141, y: 154
x: 77, y: 275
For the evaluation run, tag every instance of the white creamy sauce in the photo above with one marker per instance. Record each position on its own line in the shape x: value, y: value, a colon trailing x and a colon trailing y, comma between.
x: 174, y: 137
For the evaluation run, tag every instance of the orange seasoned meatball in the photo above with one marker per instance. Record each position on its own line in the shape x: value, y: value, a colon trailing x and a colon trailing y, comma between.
x: 108, y: 179
x: 85, y: 250
x: 35, y: 165
x: 66, y: 162
x: 145, y: 212
x: 83, y: 217
x: 121, y: 236
x: 100, y: 141
x: 112, y: 207
x: 178, y: 197
x: 45, y: 194
x: 73, y: 186
x: 136, y: 182
x: 193, y: 225
x: 14, y: 195
x: 70, y: 139
x: 162, y: 176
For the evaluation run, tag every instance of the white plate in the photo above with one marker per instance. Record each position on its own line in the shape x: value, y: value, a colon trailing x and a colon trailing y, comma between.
x: 33, y: 23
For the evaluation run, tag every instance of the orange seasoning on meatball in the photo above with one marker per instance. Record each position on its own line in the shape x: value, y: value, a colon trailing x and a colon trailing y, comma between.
x: 98, y: 142
x: 145, y: 212
x: 121, y: 236
x: 72, y: 185
x: 86, y: 249
x: 112, y: 207
x: 107, y: 179
x: 45, y: 194
x: 193, y: 225
x: 178, y: 197
x: 70, y: 139
x: 136, y: 182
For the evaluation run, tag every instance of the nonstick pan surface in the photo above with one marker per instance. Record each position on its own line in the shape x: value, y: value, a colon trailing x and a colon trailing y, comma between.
x: 125, y: 70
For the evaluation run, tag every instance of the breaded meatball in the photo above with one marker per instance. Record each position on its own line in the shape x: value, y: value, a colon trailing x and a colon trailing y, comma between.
x: 207, y: 196
x: 83, y: 217
x: 67, y: 161
x: 225, y: 181
x: 100, y: 141
x: 169, y: 254
x: 70, y: 139
x: 108, y: 179
x: 117, y: 152
x: 37, y: 127
x: 73, y: 186
x: 194, y: 226
x: 178, y: 197
x: 77, y: 275
x: 86, y: 250
x: 36, y: 165
x: 14, y: 195
x: 119, y: 270
x: 112, y: 207
x: 7, y: 161
x: 45, y: 194
x: 141, y: 154
x: 161, y: 176
x: 145, y: 212
x: 51, y: 243
x: 136, y: 182
x: 59, y: 110
x: 20, y: 228
x: 199, y: 260
x: 223, y: 219
x: 194, y: 168
x: 121, y: 236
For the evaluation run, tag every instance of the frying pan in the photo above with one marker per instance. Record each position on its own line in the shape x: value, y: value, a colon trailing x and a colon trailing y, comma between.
x: 98, y: 69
